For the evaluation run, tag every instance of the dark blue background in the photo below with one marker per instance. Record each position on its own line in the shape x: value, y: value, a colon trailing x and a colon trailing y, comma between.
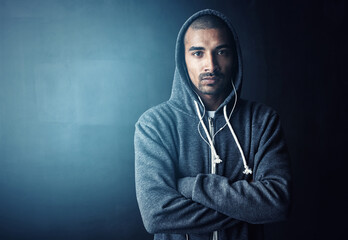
x: 75, y: 76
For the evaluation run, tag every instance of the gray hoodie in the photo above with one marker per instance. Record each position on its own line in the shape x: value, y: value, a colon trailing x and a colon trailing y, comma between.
x: 184, y: 190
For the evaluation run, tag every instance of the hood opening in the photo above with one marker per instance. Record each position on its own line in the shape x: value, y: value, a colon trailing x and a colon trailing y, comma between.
x: 183, y: 90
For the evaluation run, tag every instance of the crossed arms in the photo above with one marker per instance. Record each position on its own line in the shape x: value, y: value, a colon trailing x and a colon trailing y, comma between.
x: 208, y: 202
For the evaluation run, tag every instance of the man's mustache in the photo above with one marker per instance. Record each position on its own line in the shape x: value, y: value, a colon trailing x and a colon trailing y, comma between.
x: 210, y: 74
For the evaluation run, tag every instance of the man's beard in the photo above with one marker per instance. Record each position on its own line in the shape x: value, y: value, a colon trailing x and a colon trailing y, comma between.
x: 220, y: 82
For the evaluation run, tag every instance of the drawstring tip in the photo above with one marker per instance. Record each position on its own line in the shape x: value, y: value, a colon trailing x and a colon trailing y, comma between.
x: 247, y: 171
x: 217, y: 159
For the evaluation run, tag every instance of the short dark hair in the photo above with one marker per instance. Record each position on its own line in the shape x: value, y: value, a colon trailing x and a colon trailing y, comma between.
x: 207, y: 22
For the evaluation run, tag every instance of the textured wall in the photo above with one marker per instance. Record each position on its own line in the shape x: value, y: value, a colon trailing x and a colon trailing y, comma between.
x: 75, y: 76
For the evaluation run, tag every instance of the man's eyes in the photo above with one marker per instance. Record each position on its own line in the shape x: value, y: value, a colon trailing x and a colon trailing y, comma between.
x: 223, y: 52
x: 197, y: 53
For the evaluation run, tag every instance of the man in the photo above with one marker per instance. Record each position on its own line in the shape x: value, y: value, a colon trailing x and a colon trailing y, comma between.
x: 208, y: 164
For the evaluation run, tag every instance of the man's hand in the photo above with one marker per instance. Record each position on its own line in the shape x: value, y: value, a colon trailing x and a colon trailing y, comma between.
x: 185, y: 186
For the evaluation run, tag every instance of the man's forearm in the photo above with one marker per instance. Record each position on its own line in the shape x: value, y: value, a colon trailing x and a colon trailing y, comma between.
x: 163, y: 208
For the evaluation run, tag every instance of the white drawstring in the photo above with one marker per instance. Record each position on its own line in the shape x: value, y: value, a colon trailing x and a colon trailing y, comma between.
x: 211, y: 144
x: 247, y: 170
x: 201, y: 118
x: 217, y: 159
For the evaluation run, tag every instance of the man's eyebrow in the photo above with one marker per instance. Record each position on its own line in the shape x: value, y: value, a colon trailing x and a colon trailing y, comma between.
x: 193, y: 48
x: 223, y: 46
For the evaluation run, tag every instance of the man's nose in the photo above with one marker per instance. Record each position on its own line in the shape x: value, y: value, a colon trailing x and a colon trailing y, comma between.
x: 210, y: 63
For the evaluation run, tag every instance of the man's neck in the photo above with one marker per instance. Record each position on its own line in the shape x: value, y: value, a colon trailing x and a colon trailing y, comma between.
x: 212, y: 102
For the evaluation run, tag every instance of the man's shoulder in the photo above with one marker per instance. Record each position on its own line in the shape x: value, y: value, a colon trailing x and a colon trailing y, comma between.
x: 258, y: 112
x: 156, y: 114
x: 256, y: 107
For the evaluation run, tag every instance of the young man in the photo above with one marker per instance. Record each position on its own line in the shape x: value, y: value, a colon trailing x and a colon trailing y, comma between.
x: 208, y: 164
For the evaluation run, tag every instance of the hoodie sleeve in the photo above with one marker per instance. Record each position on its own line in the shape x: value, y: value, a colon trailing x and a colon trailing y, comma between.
x: 266, y: 199
x: 162, y: 207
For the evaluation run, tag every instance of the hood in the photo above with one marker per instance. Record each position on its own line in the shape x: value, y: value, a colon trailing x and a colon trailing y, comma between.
x: 183, y: 95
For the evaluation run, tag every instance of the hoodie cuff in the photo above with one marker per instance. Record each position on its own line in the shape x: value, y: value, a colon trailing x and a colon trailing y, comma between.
x: 185, y: 186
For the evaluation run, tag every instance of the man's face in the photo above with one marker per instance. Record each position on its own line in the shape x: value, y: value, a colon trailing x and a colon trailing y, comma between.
x: 208, y: 57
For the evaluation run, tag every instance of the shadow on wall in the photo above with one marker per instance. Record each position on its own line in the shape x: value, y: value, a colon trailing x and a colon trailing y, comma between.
x: 76, y: 75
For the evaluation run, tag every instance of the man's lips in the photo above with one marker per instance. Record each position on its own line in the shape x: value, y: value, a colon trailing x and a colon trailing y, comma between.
x: 210, y: 80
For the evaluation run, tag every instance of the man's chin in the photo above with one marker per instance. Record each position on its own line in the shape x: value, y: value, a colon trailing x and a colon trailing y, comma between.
x: 213, y: 91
